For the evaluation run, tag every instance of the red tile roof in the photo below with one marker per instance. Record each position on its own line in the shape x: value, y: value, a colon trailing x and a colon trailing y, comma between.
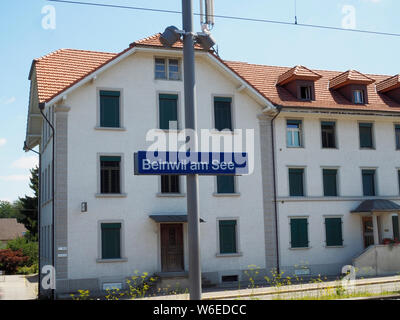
x: 63, y: 68
x: 389, y: 84
x: 264, y: 78
x: 297, y: 73
x: 348, y: 77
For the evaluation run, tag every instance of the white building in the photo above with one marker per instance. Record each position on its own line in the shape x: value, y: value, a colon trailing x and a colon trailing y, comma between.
x: 103, y: 104
x: 337, y: 159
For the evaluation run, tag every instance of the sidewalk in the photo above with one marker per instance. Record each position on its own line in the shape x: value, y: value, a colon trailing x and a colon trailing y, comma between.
x: 18, y: 287
x: 370, y: 285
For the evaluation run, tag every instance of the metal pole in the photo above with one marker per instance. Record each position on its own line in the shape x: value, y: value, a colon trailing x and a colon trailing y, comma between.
x: 191, y: 180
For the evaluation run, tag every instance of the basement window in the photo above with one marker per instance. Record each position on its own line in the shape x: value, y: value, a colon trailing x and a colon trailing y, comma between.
x: 232, y: 278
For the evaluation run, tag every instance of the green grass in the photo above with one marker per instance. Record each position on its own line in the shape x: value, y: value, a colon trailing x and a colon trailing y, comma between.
x: 335, y: 296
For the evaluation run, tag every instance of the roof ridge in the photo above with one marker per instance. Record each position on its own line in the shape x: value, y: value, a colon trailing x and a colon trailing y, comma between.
x: 69, y: 49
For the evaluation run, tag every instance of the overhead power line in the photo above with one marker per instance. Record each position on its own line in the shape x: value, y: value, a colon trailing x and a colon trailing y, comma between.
x: 232, y: 18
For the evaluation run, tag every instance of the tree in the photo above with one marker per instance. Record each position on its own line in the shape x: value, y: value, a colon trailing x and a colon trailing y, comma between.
x: 28, y: 206
x: 8, y: 210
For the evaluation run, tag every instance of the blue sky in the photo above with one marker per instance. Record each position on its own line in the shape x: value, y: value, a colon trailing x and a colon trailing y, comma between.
x: 104, y: 29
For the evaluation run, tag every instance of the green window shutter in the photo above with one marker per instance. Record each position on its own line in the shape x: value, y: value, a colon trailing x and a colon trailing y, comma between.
x: 111, y: 240
x: 109, y: 109
x: 225, y: 184
x: 110, y: 158
x: 222, y: 113
x: 397, y: 133
x: 365, y: 135
x: 299, y: 233
x: 368, y: 178
x: 333, y: 229
x: 296, y: 184
x: 330, y: 182
x: 168, y: 104
x: 395, y: 222
x: 227, y: 236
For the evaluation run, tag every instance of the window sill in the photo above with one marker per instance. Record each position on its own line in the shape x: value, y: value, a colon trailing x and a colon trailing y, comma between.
x: 299, y: 249
x: 219, y: 195
x: 166, y: 79
x: 171, y: 195
x: 112, y: 260
x: 225, y: 131
x: 110, y: 128
x: 111, y: 195
x: 333, y: 247
x: 228, y: 255
x: 294, y: 147
x: 367, y: 148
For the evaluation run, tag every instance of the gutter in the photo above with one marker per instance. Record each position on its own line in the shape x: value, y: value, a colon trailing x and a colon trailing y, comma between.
x: 279, y: 108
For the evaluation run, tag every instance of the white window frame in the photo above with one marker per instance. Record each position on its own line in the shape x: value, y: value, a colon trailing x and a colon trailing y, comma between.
x: 294, y: 130
x: 166, y: 64
x: 358, y: 96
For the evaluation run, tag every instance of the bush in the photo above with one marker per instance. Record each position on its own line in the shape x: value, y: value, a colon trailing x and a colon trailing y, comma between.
x: 10, y: 260
x: 28, y: 270
x: 29, y: 249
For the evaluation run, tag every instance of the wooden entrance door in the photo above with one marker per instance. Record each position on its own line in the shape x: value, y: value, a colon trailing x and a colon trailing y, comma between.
x: 172, y: 247
x: 368, y: 231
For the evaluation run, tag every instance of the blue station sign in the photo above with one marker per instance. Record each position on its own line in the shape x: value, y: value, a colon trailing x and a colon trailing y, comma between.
x: 184, y: 163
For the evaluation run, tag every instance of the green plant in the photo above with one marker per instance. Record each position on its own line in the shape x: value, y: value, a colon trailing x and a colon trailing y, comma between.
x: 10, y: 260
x: 28, y: 249
x: 28, y: 270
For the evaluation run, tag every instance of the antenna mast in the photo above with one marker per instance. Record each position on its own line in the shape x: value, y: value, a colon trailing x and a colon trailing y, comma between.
x: 206, y: 15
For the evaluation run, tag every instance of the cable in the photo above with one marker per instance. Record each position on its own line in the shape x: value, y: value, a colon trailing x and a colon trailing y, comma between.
x: 233, y: 18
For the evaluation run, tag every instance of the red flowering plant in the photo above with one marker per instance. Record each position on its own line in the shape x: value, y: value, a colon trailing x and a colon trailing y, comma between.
x: 387, y: 241
x: 10, y: 260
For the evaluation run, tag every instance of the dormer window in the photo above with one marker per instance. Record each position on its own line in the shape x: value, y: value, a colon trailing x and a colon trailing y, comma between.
x: 358, y: 96
x: 305, y: 92
x: 352, y: 85
x: 299, y: 81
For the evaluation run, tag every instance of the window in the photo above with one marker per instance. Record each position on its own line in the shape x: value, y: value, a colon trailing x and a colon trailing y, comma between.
x: 330, y: 182
x: 173, y: 69
x: 227, y: 236
x: 170, y: 184
x: 160, y: 69
x: 333, y: 232
x: 110, y: 174
x: 223, y: 113
x: 398, y: 178
x: 225, y: 184
x: 167, y: 69
x: 294, y: 133
x: 298, y: 233
x: 305, y: 93
x: 110, y: 109
x: 296, y: 183
x: 168, y: 110
x: 366, y: 140
x: 328, y: 134
x: 368, y: 179
x: 395, y: 223
x: 397, y: 135
x: 358, y: 96
x: 111, y: 240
